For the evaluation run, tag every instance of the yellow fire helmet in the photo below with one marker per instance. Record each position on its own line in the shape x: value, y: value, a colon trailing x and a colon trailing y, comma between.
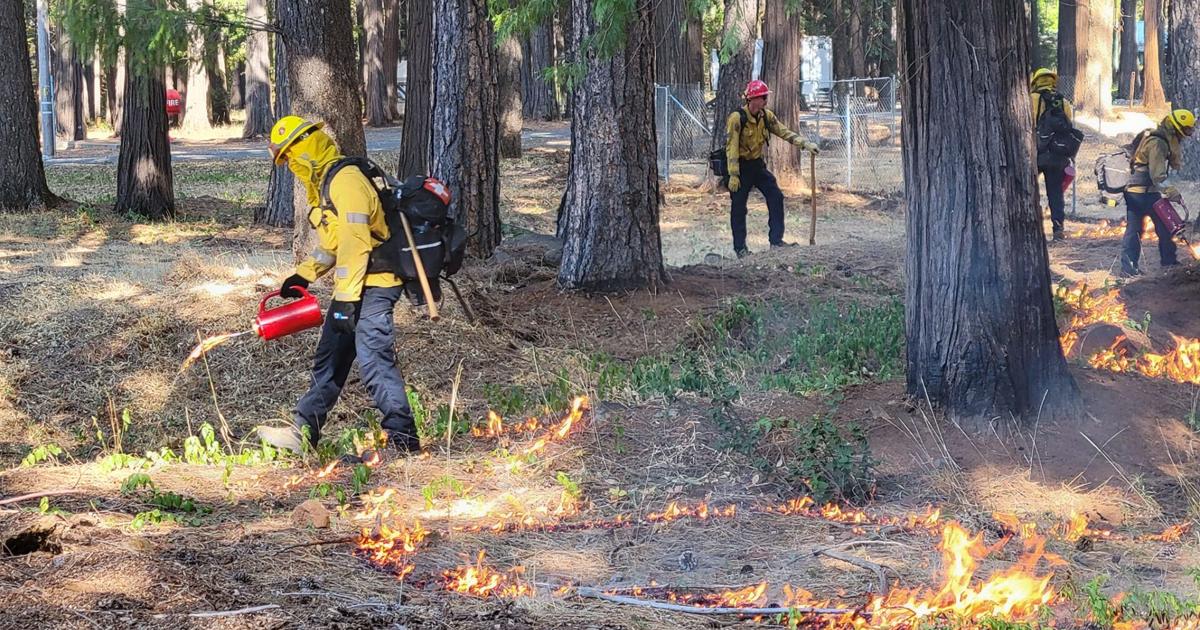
x: 286, y: 132
x: 1183, y: 120
x: 1042, y: 78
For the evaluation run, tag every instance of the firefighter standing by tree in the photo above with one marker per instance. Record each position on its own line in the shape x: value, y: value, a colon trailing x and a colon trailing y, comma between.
x: 747, y: 132
x: 359, y: 321
x: 1157, y: 151
x: 1047, y: 102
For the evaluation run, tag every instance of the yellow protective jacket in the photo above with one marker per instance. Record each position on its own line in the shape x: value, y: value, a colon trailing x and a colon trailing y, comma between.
x: 1036, y: 108
x: 348, y: 231
x: 746, y: 142
x: 1152, y: 158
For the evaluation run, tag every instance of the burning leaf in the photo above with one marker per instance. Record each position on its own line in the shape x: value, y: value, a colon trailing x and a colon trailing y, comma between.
x: 481, y: 580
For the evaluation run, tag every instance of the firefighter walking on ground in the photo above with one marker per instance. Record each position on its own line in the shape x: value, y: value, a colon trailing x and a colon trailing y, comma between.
x: 1157, y: 152
x: 747, y: 131
x: 1047, y: 104
x: 359, y: 321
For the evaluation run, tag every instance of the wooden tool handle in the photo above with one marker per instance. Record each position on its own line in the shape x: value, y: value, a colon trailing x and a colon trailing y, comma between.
x: 812, y: 172
x: 416, y: 254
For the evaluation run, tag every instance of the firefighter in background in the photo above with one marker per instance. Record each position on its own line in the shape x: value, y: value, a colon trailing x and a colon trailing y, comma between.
x: 747, y: 131
x: 1045, y: 99
x: 358, y: 323
x: 1158, y: 152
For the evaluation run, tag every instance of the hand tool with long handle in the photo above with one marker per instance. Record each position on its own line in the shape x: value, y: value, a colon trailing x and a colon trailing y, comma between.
x: 812, y: 173
x: 420, y: 265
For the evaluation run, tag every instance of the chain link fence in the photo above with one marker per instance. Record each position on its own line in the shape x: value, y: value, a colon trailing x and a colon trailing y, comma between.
x: 856, y: 123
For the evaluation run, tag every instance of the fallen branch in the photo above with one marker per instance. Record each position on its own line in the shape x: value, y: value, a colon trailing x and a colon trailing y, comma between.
x: 595, y: 593
x: 38, y: 495
x: 317, y: 543
x: 858, y: 562
x: 227, y: 613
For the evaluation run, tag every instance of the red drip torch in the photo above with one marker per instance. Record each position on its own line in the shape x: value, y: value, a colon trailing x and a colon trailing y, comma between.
x: 289, y: 318
x: 1068, y: 177
x: 1165, y: 211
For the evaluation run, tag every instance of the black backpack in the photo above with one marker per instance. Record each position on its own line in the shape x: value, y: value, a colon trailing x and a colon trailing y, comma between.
x: 441, y: 241
x: 1056, y: 136
x: 718, y: 162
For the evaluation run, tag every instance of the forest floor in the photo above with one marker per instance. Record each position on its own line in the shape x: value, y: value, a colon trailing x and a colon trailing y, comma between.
x: 741, y: 383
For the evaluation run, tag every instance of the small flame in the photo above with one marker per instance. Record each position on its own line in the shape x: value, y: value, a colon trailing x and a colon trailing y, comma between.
x: 1174, y: 533
x: 481, y: 580
x: 205, y: 345
x: 392, y: 548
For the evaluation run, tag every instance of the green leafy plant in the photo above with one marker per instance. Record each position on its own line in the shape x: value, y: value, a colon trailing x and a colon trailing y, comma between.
x: 440, y: 487
x: 569, y: 486
x: 508, y: 400
x: 833, y: 465
x: 40, y: 454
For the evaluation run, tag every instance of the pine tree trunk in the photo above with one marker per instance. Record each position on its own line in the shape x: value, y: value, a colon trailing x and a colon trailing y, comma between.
x: 1152, y: 84
x: 391, y: 55
x: 144, y: 180
x: 89, y: 87
x: 219, y: 99
x: 280, y: 209
x: 858, y: 46
x: 982, y: 341
x: 323, y: 83
x: 741, y: 19
x: 418, y: 102
x: 1127, y: 68
x: 115, y: 80
x: 195, y: 97
x: 258, y: 79
x: 22, y: 177
x: 539, y: 102
x: 509, y: 57
x: 373, y: 60
x: 1035, y: 32
x: 561, y: 34
x: 678, y: 54
x: 1185, y: 68
x: 68, y: 88
x: 1093, y: 56
x: 842, y: 66
x: 466, y: 126
x: 782, y: 34
x: 610, y: 211
x: 1068, y: 13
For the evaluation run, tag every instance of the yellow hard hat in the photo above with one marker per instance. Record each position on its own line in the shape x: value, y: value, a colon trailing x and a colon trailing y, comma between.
x: 1041, y: 73
x: 1183, y: 120
x: 286, y: 131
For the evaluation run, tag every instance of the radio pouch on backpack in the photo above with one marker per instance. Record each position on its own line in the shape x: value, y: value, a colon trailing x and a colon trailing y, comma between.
x: 1058, y: 141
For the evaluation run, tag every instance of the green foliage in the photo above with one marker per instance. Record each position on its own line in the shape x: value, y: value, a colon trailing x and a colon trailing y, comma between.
x: 569, y: 486
x: 121, y: 461
x: 168, y: 507
x: 832, y: 465
x: 205, y: 450
x: 508, y: 401
x: 136, y: 482
x: 441, y: 487
x: 559, y: 392
x: 44, y: 507
x: 1158, y: 608
x: 45, y: 452
x: 360, y: 478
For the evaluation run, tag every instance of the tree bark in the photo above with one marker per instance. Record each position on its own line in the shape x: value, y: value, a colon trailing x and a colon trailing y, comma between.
x: 418, y: 102
x: 258, y: 79
x: 1152, y: 85
x: 783, y: 30
x: 219, y: 99
x: 391, y: 55
x: 982, y: 341
x: 279, y: 210
x: 1093, y: 56
x: 678, y: 54
x: 323, y: 83
x: 22, y: 176
x: 561, y: 36
x: 509, y: 56
x: 1128, y: 66
x: 67, y: 72
x: 144, y: 181
x: 89, y: 87
x: 840, y: 27
x: 376, y: 99
x: 858, y: 45
x: 539, y: 102
x: 1067, y: 14
x: 1035, y: 34
x: 741, y: 20
x: 1185, y: 68
x: 195, y: 96
x: 610, y: 212
x: 466, y: 126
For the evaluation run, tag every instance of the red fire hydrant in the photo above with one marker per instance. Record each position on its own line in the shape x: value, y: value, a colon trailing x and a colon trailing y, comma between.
x: 289, y: 318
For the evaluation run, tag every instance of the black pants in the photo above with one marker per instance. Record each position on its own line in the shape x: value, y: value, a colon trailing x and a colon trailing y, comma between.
x: 754, y: 174
x: 1138, y: 206
x: 372, y: 344
x: 1054, y: 194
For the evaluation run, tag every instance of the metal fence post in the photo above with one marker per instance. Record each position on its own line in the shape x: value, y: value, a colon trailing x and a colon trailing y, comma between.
x: 847, y: 136
x: 669, y: 135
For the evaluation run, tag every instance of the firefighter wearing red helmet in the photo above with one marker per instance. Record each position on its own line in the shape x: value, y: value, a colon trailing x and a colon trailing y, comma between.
x: 747, y: 131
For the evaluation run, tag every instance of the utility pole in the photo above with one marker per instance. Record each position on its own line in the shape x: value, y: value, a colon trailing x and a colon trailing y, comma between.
x: 45, y: 94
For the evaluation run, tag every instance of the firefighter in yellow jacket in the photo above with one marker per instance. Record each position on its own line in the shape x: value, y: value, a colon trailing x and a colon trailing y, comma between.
x: 1156, y: 153
x: 747, y: 131
x: 358, y: 323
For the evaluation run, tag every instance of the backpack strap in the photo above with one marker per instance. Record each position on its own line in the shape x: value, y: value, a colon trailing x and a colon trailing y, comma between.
x: 368, y: 168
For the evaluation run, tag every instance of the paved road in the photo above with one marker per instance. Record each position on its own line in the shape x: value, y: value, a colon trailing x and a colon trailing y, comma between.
x: 104, y: 151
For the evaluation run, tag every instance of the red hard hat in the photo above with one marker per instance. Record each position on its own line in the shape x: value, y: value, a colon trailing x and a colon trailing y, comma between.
x: 756, y: 88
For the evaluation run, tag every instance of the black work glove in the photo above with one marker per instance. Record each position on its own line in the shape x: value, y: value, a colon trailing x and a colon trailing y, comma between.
x: 344, y: 315
x: 288, y: 290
